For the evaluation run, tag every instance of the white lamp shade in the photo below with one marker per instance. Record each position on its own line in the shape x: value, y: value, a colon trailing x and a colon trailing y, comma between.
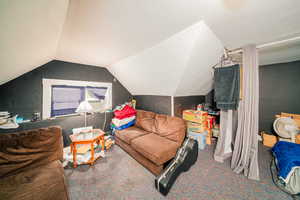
x: 84, y: 107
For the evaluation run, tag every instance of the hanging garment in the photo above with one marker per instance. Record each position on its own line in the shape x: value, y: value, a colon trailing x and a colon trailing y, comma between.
x: 227, y: 87
x: 228, y: 126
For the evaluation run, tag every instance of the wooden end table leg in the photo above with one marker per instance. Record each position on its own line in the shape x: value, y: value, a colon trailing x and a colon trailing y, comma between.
x: 74, y: 155
x: 102, y: 144
x: 92, y: 153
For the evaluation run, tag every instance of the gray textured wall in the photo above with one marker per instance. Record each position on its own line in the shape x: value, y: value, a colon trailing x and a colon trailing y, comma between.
x: 163, y: 105
x: 209, y: 98
x: 154, y: 103
x: 186, y: 102
x: 279, y: 92
x: 23, y: 95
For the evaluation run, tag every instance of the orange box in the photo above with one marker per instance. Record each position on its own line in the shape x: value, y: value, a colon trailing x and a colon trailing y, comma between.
x: 195, y: 116
x: 298, y: 139
x: 269, y: 140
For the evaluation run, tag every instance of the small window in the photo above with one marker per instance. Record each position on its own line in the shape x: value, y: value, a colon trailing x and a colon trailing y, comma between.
x: 62, y: 97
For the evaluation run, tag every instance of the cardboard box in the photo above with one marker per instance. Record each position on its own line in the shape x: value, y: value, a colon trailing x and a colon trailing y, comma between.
x: 295, y: 117
x: 195, y: 116
x: 298, y: 139
x: 269, y: 140
x: 196, y: 127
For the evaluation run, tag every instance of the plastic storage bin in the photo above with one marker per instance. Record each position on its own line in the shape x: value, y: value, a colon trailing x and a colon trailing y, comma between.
x: 200, y: 137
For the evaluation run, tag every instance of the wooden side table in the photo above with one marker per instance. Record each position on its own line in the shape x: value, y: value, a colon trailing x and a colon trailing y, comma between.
x: 89, y: 137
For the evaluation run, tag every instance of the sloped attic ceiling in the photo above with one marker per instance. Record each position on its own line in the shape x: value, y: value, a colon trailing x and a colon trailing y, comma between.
x: 117, y: 32
x: 180, y: 65
x: 240, y: 22
x: 102, y: 32
x: 159, y: 48
x: 30, y: 31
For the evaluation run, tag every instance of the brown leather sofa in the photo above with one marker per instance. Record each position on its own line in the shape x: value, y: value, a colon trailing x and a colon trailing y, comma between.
x: 30, y: 166
x: 153, y: 140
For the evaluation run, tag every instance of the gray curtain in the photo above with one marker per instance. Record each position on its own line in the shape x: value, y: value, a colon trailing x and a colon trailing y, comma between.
x: 228, y: 127
x: 245, y: 151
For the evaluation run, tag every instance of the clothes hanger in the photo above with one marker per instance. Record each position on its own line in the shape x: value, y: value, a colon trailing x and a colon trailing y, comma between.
x: 229, y: 58
x: 226, y: 60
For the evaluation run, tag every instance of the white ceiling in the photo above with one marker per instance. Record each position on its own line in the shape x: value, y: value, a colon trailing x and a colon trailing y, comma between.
x: 197, y: 77
x: 240, y: 22
x: 280, y: 53
x: 30, y: 31
x: 172, y: 66
x: 102, y: 32
x: 144, y: 37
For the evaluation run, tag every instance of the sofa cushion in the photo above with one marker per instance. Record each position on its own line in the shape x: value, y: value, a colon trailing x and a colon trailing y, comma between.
x: 46, y: 182
x: 145, y: 120
x: 130, y: 133
x: 173, y: 128
x: 156, y: 148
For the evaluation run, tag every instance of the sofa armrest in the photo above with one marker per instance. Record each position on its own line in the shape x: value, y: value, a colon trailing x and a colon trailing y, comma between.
x: 26, y: 150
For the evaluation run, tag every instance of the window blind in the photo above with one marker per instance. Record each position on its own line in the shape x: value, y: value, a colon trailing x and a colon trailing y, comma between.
x: 66, y: 99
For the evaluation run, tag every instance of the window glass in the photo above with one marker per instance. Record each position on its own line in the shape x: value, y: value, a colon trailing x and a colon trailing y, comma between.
x: 66, y: 99
x: 97, y: 97
x: 96, y: 93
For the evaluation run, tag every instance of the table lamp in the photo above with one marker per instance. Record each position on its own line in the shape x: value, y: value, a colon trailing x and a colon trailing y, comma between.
x: 84, y: 107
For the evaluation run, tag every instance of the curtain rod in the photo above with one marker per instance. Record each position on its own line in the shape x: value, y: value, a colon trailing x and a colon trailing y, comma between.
x: 240, y: 50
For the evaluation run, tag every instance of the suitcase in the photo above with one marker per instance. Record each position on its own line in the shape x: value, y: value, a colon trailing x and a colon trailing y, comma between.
x: 185, y: 157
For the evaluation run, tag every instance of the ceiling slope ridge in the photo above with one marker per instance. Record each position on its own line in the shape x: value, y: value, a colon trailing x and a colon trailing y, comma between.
x: 165, y: 61
x: 102, y: 33
x: 185, y: 30
x: 67, y: 14
x: 197, y: 78
x: 197, y: 28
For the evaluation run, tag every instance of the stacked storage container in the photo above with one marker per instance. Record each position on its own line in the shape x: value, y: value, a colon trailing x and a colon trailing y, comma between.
x: 197, y: 126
